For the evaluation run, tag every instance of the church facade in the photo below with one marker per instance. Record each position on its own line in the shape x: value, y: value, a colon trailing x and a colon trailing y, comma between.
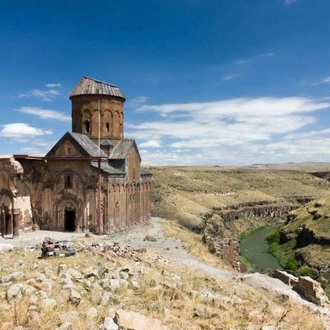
x: 90, y: 180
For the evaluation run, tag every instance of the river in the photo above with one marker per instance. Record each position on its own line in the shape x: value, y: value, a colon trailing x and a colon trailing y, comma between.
x: 254, y: 249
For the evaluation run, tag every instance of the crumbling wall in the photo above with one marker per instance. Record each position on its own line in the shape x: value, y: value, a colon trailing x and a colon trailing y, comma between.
x: 226, y: 249
x: 305, y: 286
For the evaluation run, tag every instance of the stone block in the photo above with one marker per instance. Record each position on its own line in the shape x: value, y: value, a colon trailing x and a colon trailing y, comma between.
x: 136, y: 321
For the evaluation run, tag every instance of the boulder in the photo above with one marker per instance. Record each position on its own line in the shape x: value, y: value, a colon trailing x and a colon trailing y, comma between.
x: 136, y: 321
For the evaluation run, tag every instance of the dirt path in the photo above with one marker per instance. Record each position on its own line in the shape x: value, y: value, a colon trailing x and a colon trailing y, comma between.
x: 170, y: 248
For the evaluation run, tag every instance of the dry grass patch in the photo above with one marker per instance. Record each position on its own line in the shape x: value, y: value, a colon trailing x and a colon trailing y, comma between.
x: 180, y: 297
x: 192, y: 243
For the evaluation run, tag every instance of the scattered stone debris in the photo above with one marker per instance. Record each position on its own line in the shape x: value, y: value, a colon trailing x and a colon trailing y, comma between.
x: 53, y: 248
x: 97, y: 288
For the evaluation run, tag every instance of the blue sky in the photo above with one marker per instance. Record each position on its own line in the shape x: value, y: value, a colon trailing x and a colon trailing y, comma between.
x: 226, y: 82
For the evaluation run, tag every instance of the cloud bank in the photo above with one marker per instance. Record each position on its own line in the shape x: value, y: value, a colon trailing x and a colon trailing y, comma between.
x: 233, y: 131
x: 45, y: 114
x: 22, y: 132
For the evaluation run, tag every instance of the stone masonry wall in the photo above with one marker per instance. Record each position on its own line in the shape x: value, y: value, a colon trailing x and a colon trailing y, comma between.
x: 305, y: 286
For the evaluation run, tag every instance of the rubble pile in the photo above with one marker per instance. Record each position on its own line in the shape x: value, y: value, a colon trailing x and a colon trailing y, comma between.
x: 94, y: 278
x: 54, y: 248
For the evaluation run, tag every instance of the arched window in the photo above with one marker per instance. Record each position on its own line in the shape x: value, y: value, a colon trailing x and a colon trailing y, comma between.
x: 87, y: 124
x: 68, y: 181
x: 107, y: 127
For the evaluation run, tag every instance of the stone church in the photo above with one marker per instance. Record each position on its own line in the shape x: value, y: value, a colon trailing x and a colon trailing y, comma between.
x: 90, y: 180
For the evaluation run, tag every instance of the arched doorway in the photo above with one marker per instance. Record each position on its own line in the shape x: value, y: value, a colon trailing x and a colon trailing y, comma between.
x: 69, y: 219
x: 68, y: 213
x: 6, y: 206
x: 8, y: 224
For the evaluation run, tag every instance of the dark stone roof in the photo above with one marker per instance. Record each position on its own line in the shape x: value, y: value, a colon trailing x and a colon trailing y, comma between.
x: 121, y: 150
x: 105, y: 167
x: 88, y: 145
x: 90, y: 86
x: 106, y: 143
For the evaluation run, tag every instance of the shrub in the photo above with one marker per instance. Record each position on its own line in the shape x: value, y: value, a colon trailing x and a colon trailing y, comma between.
x: 291, y: 264
x: 273, y: 236
x: 273, y: 248
x: 305, y: 271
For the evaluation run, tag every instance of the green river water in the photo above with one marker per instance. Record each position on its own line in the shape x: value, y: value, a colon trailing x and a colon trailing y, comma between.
x: 254, y: 249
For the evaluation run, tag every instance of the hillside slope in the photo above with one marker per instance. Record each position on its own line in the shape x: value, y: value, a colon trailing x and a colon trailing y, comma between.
x: 189, y: 194
x: 306, y: 237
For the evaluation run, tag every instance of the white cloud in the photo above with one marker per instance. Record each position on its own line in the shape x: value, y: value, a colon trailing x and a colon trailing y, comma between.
x: 254, y: 58
x: 230, y: 76
x: 267, y: 54
x: 326, y: 80
x: 136, y: 102
x: 53, y: 85
x: 45, y: 114
x: 242, y: 62
x: 309, y: 135
x: 289, y: 2
x: 266, y: 107
x: 140, y: 99
x: 47, y: 95
x: 150, y: 144
x: 22, y: 132
x: 235, y: 131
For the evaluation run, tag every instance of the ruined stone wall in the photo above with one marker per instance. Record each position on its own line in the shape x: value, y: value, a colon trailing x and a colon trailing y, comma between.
x: 23, y: 203
x: 226, y: 249
x: 10, y: 208
x: 305, y: 286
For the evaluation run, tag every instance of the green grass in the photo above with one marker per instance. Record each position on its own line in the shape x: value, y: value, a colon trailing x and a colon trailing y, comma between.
x: 249, y: 265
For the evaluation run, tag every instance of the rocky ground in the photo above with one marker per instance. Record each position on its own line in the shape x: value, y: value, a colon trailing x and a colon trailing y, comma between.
x: 139, y: 277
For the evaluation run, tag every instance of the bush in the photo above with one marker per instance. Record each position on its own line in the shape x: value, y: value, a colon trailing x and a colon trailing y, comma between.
x: 273, y: 248
x: 273, y: 236
x: 291, y: 265
x: 305, y: 271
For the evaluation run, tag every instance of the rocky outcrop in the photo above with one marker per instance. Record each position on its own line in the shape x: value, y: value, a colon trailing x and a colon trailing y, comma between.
x: 226, y: 249
x: 307, y: 236
x: 257, y: 212
x: 305, y: 286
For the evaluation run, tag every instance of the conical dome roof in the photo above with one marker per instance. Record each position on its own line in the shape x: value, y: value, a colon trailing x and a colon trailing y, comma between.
x: 90, y: 86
